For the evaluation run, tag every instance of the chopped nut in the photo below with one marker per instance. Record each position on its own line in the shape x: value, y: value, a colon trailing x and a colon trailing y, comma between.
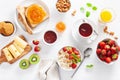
x: 111, y: 33
x: 73, y: 13
x: 116, y: 37
x: 63, y: 5
x: 105, y: 29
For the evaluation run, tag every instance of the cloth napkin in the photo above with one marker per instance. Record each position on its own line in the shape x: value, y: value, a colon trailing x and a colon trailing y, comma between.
x: 49, y: 70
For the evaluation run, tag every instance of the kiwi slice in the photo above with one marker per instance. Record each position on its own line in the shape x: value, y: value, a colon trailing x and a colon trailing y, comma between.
x: 34, y: 59
x: 24, y: 64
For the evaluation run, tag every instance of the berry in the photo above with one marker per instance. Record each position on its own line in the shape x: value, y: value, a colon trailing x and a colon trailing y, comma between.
x: 36, y: 48
x: 109, y: 53
x: 114, y: 56
x: 103, y: 52
x: 73, y: 65
x: 71, y: 57
x: 98, y: 51
x: 107, y: 47
x: 35, y: 42
x: 64, y: 49
x: 76, y: 52
x: 111, y: 42
x: 102, y: 45
x: 113, y: 50
x: 108, y: 60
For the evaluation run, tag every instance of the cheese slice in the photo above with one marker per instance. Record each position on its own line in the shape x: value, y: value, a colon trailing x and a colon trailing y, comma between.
x: 7, y: 54
x: 13, y: 51
x: 18, y: 48
x: 20, y: 42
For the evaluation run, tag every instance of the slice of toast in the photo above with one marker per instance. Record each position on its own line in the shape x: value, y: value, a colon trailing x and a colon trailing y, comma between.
x: 22, y: 19
x: 34, y: 25
x: 26, y: 51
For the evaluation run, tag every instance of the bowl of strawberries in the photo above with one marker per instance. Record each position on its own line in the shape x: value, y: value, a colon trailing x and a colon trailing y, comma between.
x: 107, y: 51
x: 69, y: 58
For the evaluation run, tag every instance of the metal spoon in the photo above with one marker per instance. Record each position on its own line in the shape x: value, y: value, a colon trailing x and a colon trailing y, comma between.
x: 87, y: 53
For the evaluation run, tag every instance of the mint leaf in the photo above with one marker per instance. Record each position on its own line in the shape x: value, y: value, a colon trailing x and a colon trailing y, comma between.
x: 89, y: 66
x: 87, y: 13
x: 94, y: 8
x: 82, y: 9
x: 89, y: 5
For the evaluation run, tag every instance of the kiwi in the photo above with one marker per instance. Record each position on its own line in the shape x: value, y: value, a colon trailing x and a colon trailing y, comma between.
x: 24, y: 64
x: 34, y: 59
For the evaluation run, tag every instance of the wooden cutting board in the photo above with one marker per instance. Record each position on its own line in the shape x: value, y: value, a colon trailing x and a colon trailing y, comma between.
x: 26, y: 51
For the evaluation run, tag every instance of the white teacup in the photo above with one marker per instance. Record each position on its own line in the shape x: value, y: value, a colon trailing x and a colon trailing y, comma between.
x: 84, y: 31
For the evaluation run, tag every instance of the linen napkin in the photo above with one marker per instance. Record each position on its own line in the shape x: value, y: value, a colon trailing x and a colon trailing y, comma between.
x: 49, y: 70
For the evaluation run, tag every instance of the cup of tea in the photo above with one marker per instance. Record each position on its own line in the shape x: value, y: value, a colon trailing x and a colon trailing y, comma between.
x: 84, y: 31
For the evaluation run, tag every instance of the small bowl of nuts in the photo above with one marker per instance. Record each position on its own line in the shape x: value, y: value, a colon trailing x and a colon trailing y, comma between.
x: 63, y: 5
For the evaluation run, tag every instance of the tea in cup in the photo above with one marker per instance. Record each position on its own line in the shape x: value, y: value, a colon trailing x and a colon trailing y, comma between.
x: 84, y: 31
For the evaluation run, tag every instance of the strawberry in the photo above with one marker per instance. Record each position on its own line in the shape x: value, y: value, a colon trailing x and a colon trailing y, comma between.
x: 78, y: 56
x: 73, y: 49
x: 35, y: 42
x: 107, y: 47
x: 64, y: 49
x: 113, y: 50
x: 103, y: 52
x: 102, y: 44
x: 76, y: 52
x: 114, y: 56
x: 98, y: 51
x: 108, y: 60
x: 102, y: 57
x: 36, y: 48
x: 109, y: 53
x: 118, y: 48
x: 69, y: 52
x: 111, y: 42
x: 71, y: 57
x: 73, y: 65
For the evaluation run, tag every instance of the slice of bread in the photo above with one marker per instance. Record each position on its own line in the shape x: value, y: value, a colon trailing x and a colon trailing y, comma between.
x: 30, y: 22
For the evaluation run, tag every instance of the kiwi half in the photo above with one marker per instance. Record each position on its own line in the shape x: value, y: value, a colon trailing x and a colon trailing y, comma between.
x: 34, y: 59
x: 24, y: 64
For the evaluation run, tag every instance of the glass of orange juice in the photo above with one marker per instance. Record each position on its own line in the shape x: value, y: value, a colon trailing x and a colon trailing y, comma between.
x: 106, y: 15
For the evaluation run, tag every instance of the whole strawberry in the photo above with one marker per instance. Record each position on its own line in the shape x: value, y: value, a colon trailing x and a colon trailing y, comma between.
x: 36, y: 48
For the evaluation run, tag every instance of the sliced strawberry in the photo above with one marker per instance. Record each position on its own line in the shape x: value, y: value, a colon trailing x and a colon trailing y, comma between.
x: 103, y: 52
x: 102, y: 44
x: 98, y: 51
x: 71, y: 57
x: 73, y: 65
x: 64, y: 49
x: 76, y: 52
x: 115, y: 56
x: 73, y: 49
x: 108, y: 60
x: 36, y: 48
x: 69, y: 52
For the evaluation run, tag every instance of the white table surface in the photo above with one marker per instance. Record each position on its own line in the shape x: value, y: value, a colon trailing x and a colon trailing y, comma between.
x: 100, y: 71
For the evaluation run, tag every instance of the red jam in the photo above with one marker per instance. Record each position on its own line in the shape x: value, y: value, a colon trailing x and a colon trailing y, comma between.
x: 50, y: 37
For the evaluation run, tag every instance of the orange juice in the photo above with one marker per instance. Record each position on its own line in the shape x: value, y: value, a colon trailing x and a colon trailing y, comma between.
x: 106, y: 16
x: 60, y: 26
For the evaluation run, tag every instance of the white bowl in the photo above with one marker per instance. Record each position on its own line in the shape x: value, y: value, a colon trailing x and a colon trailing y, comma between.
x: 67, y: 69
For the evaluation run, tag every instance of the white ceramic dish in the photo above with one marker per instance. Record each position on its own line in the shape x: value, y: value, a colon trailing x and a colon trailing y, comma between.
x: 42, y: 25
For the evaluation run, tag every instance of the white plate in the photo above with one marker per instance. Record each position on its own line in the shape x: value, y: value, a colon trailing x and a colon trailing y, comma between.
x: 42, y: 25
